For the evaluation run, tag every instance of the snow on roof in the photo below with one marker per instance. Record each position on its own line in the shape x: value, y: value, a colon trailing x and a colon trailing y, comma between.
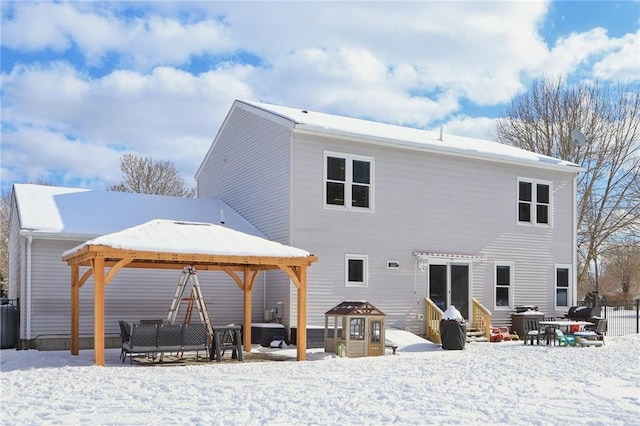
x: 89, y: 213
x: 408, y: 137
x: 169, y: 236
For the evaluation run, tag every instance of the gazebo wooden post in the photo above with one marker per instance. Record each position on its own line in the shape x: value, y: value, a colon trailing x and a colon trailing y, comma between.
x: 247, y: 287
x: 75, y: 309
x: 301, y: 338
x: 98, y: 310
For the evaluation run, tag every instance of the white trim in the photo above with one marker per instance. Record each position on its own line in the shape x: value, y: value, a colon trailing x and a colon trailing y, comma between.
x: 365, y: 270
x: 422, y: 255
x: 510, y: 265
x: 534, y: 202
x: 348, y: 182
x: 569, y: 288
x: 540, y: 163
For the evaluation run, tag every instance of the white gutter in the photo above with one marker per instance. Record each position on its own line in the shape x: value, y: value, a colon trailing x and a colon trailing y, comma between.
x: 550, y: 163
x: 43, y: 235
x: 28, y: 325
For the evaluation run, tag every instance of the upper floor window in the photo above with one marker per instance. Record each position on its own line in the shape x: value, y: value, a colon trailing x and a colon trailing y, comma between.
x: 503, y: 285
x: 348, y: 182
x: 534, y: 202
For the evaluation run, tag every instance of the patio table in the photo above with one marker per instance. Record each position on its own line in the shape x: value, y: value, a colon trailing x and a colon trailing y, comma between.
x: 553, y: 325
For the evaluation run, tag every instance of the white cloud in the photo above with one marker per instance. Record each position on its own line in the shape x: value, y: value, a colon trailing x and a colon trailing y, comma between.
x: 624, y: 61
x: 167, y: 114
x: 41, y: 152
x: 411, y: 63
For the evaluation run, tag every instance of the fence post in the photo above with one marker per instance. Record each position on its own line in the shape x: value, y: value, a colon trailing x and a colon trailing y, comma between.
x: 638, y: 315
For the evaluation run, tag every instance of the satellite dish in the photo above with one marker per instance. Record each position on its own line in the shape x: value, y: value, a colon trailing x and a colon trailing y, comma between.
x: 578, y: 138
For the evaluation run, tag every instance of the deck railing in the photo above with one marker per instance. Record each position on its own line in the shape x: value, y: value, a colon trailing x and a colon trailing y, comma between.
x: 481, y: 318
x: 433, y: 315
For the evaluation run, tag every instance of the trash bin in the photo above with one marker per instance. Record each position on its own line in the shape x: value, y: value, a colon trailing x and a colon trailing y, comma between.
x: 8, y: 326
x: 453, y: 334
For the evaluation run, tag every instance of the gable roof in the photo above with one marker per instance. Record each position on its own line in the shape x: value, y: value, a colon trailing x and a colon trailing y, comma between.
x: 306, y: 121
x: 74, y: 213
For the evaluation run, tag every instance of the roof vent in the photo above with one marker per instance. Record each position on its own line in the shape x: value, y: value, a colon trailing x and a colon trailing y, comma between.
x: 304, y: 111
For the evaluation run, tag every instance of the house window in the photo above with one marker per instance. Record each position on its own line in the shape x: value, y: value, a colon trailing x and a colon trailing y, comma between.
x: 356, y: 270
x: 563, y: 285
x: 356, y: 329
x: 534, y: 202
x: 503, y: 285
x: 348, y: 182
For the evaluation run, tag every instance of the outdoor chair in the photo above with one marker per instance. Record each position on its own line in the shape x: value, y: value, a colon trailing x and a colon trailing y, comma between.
x: 585, y: 342
x: 498, y: 334
x: 125, y: 335
x: 565, y: 339
x: 143, y: 340
x: 532, y: 330
x: 601, y: 329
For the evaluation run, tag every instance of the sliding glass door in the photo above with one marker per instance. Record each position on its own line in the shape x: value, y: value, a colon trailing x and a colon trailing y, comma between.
x: 449, y: 285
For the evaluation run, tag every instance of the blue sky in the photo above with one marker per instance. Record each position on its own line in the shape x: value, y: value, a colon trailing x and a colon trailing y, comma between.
x: 85, y: 82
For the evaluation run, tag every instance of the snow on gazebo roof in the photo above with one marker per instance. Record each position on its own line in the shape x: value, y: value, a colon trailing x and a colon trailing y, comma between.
x: 168, y: 236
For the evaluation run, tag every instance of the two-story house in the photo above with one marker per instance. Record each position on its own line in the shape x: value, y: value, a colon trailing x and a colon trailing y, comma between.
x: 399, y: 215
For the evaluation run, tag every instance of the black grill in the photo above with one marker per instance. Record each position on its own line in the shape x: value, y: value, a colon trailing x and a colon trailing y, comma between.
x: 583, y: 313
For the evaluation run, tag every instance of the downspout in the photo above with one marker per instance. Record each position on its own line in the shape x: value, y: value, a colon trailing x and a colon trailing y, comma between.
x: 23, y: 289
x: 574, y: 244
x: 28, y: 283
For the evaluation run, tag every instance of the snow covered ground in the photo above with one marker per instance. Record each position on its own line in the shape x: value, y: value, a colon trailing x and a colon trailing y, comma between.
x: 487, y: 383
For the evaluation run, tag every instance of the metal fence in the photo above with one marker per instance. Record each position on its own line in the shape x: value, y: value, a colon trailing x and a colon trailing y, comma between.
x: 623, y: 317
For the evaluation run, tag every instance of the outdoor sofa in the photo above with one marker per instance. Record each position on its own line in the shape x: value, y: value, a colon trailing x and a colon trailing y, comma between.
x: 154, y: 339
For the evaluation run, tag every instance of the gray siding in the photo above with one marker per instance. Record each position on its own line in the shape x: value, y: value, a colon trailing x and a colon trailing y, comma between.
x: 248, y: 168
x: 133, y: 294
x: 430, y: 202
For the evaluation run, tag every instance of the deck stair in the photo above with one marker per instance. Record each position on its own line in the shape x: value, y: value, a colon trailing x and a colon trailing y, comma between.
x: 475, y: 335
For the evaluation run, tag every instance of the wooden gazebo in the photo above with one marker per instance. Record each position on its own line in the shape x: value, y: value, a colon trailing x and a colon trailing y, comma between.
x: 164, y: 244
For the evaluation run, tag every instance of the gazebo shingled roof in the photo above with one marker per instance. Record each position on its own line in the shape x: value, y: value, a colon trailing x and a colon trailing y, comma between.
x: 204, y: 246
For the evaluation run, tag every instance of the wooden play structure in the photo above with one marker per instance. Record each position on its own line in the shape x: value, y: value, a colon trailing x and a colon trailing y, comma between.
x: 354, y: 329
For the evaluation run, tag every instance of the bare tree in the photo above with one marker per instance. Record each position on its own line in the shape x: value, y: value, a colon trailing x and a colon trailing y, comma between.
x: 621, y: 275
x: 608, y: 190
x: 5, y: 211
x: 146, y: 176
